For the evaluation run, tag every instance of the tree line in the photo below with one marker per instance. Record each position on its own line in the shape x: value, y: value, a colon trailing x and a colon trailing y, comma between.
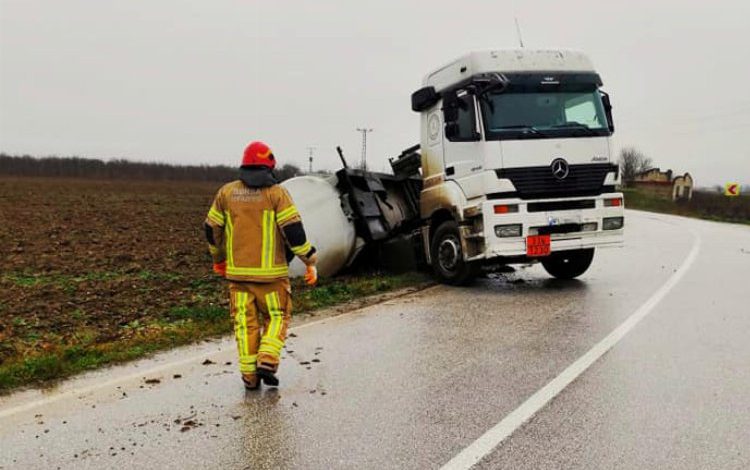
x: 77, y: 167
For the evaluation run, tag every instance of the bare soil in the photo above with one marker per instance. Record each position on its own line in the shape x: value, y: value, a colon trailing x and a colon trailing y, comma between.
x: 94, y: 272
x: 97, y: 256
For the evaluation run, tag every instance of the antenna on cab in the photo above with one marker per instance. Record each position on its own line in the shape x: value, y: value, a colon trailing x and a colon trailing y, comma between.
x: 518, y: 31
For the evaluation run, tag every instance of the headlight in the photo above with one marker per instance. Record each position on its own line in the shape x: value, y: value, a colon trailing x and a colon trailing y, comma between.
x: 505, y: 231
x: 589, y: 227
x: 613, y: 223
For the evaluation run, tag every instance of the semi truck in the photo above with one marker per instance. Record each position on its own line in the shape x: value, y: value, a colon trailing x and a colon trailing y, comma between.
x: 514, y: 165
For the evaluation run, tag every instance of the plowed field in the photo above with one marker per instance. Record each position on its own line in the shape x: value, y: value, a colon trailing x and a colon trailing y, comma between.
x: 94, y: 272
x: 100, y: 257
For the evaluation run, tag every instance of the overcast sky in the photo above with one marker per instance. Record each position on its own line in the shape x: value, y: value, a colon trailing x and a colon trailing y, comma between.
x: 195, y: 81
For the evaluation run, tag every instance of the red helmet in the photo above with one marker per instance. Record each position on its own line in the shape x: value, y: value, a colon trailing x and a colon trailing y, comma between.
x: 258, y: 154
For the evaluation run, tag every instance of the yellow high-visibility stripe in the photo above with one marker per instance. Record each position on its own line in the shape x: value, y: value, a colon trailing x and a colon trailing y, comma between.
x: 271, y: 307
x: 248, y: 368
x: 277, y: 343
x: 268, y: 247
x: 251, y: 357
x: 216, y: 216
x: 260, y: 272
x: 247, y: 360
x: 271, y: 238
x: 268, y: 241
x: 302, y: 249
x: 268, y: 347
x: 269, y: 350
x: 229, y: 232
x: 248, y: 363
x: 286, y: 214
x: 271, y: 343
x: 264, y: 240
x: 241, y: 324
x: 213, y: 219
x: 213, y: 250
x: 279, y: 319
x: 247, y: 337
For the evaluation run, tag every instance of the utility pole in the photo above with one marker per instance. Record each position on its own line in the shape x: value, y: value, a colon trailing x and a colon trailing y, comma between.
x: 364, y: 132
x: 310, y: 151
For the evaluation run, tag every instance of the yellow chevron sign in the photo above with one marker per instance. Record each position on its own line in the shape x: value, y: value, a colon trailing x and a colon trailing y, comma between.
x: 732, y: 189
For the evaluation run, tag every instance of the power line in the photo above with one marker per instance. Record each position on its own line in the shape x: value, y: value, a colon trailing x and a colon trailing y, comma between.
x: 364, y: 132
x: 310, y: 151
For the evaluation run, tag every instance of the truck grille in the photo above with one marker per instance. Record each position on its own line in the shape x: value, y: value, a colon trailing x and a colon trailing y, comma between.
x: 560, y: 205
x: 538, y: 181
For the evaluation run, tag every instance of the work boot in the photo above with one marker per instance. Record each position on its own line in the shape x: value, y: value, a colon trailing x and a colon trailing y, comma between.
x: 251, y: 381
x: 267, y: 373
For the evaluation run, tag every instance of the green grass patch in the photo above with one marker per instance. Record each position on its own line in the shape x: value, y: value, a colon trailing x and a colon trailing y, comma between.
x: 23, y: 280
x: 70, y: 282
x: 177, y: 326
x: 199, y: 313
x: 152, y: 276
x: 332, y: 292
x: 66, y: 361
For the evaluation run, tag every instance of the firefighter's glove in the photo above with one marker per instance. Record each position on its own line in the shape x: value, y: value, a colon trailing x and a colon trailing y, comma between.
x: 221, y: 268
x: 311, y: 275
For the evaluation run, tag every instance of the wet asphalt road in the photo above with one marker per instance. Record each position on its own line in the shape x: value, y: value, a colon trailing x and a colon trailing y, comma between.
x: 412, y: 382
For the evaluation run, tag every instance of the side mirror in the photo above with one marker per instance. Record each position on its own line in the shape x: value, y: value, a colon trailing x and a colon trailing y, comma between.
x: 608, y: 110
x: 424, y: 98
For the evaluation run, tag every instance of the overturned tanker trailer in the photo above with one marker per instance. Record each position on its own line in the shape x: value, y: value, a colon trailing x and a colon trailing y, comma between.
x: 514, y: 165
x: 355, y: 209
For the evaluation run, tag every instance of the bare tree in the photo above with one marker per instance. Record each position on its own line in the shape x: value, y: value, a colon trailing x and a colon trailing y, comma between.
x: 288, y: 171
x: 76, y: 167
x: 632, y: 162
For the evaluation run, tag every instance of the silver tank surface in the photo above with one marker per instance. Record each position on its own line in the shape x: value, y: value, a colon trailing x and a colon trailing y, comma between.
x: 327, y: 227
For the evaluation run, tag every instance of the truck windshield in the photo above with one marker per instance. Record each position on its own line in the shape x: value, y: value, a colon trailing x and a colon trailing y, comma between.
x: 538, y: 114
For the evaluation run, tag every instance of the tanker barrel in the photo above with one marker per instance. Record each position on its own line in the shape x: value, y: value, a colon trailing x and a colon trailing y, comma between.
x: 330, y: 230
x: 344, y: 212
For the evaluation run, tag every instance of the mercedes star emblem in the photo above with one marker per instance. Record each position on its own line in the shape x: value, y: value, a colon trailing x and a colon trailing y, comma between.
x: 560, y: 168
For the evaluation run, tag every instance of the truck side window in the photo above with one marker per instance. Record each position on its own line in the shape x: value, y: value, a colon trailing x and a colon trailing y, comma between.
x: 464, y: 129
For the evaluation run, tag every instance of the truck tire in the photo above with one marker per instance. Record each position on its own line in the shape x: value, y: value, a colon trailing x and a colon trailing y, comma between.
x: 447, y: 257
x: 568, y: 264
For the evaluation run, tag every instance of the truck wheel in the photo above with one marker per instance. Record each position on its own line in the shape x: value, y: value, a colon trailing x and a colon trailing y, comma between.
x: 447, y: 256
x: 568, y: 264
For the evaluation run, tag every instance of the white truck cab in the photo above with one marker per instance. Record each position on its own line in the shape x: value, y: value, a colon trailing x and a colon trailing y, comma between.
x: 516, y: 163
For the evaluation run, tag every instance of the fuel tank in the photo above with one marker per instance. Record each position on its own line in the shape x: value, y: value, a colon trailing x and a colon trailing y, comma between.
x: 328, y: 228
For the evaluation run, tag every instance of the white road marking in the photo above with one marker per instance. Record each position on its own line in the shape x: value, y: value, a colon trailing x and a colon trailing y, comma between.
x: 486, y: 443
x: 77, y: 392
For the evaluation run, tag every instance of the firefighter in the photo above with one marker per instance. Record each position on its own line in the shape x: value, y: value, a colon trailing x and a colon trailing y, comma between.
x: 253, y: 231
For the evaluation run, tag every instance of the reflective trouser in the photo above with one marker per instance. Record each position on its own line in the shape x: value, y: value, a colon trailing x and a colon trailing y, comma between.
x: 249, y: 303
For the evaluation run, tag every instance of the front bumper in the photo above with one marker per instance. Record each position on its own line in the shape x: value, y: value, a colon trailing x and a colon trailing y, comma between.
x: 532, y: 221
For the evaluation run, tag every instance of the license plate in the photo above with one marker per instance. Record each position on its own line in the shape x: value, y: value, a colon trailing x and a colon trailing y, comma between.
x: 538, y: 245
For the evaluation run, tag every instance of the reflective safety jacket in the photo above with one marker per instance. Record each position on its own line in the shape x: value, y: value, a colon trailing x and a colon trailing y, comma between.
x: 257, y: 231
